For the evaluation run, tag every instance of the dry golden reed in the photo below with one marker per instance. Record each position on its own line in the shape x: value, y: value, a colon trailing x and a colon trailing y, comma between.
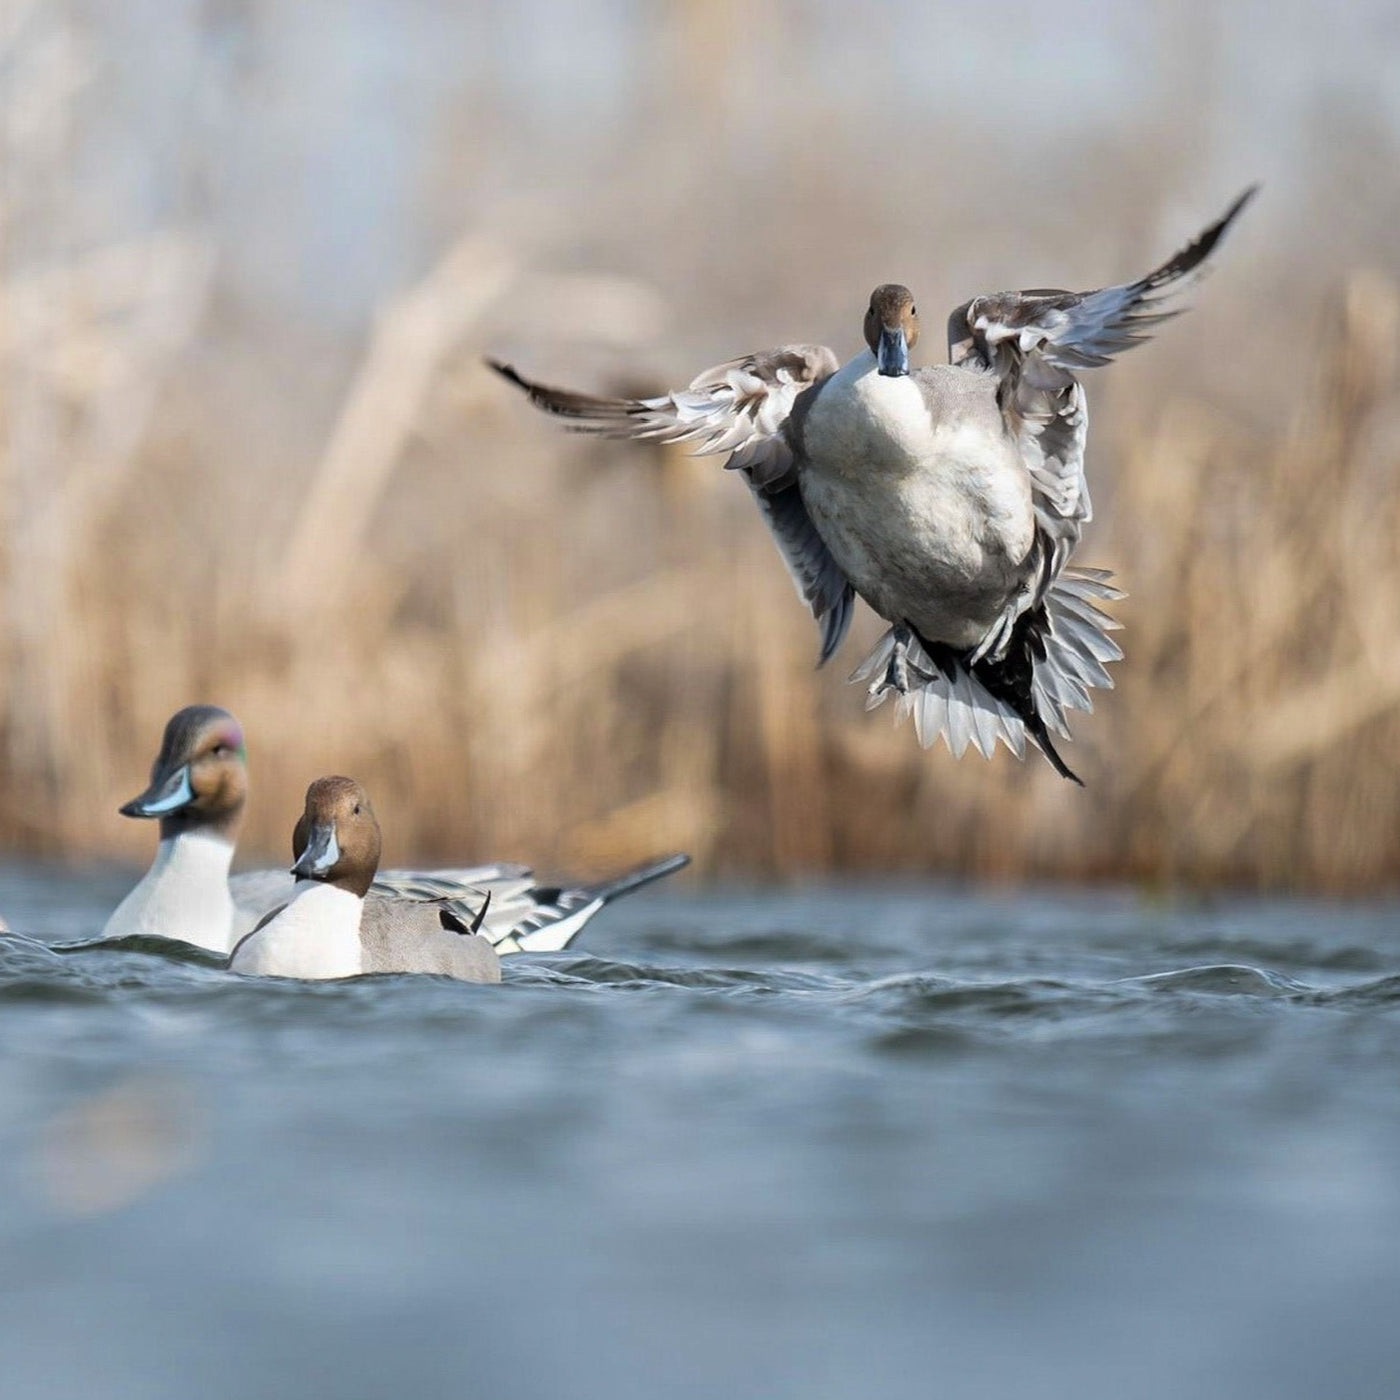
x: 579, y: 653
x: 540, y: 647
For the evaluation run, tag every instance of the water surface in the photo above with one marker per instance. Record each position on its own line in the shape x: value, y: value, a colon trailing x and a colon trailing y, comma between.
x: 856, y: 1142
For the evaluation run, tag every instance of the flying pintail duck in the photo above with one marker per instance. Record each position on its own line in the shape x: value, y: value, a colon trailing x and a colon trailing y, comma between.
x: 950, y: 498
x: 322, y: 930
x: 198, y: 789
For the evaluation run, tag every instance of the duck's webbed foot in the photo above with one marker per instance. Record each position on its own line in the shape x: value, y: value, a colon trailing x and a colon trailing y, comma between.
x: 900, y: 665
x: 896, y: 676
x: 994, y: 644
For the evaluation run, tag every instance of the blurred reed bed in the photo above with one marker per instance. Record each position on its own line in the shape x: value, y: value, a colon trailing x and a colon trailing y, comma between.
x: 548, y: 648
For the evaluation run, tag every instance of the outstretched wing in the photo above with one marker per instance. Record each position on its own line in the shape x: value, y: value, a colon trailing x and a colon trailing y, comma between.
x: 1078, y: 330
x: 1035, y: 342
x: 741, y: 408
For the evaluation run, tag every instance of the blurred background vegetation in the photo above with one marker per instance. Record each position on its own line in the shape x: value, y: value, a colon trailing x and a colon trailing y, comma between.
x: 253, y: 253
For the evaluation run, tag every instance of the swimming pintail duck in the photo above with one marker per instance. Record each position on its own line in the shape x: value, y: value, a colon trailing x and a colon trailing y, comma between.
x: 330, y: 929
x: 198, y: 789
x: 951, y: 498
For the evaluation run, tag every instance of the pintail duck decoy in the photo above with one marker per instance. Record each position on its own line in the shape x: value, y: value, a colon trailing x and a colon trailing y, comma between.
x: 198, y: 789
x: 951, y: 498
x: 328, y: 928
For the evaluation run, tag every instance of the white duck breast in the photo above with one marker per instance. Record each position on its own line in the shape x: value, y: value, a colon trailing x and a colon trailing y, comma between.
x: 316, y: 936
x: 920, y: 495
x: 183, y: 895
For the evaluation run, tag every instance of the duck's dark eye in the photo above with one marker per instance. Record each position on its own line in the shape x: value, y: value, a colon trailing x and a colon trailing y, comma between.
x: 357, y: 809
x: 913, y: 310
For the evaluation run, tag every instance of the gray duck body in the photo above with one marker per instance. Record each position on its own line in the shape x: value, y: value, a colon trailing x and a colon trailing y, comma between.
x: 399, y: 935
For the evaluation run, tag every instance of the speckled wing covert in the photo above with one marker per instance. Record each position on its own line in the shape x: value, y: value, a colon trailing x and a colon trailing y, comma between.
x: 743, y: 408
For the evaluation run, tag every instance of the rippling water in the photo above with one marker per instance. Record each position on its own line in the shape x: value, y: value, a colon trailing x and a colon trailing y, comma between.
x: 855, y: 1142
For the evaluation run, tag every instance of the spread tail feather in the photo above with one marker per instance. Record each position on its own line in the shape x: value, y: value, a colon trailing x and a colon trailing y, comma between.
x: 1058, y: 653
